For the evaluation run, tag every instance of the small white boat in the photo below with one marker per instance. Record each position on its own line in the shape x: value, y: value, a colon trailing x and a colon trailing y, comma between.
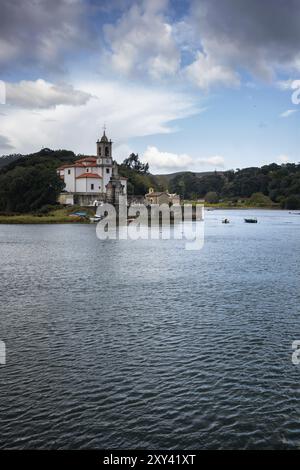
x: 96, y: 218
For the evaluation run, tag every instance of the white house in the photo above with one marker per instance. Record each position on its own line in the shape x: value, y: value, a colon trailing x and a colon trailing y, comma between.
x: 86, y: 180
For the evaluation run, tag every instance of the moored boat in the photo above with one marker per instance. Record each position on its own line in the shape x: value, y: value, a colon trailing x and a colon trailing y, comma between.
x: 251, y: 220
x: 96, y: 218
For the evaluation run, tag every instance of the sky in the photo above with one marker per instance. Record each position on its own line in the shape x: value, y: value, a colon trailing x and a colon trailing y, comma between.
x: 187, y: 84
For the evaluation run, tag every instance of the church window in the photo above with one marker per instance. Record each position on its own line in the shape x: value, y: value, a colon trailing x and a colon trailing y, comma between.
x: 92, y: 186
x: 69, y: 172
x: 107, y: 170
x: 106, y: 151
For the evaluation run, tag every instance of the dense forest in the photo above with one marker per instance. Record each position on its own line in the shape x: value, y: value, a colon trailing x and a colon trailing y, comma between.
x: 30, y: 183
x: 271, y: 184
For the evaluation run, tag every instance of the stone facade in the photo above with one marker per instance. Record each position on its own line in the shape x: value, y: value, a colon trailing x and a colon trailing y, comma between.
x: 162, y: 197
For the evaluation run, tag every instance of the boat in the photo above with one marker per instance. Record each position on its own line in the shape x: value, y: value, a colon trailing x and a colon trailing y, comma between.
x: 225, y: 221
x: 80, y: 214
x: 251, y: 220
x: 96, y: 218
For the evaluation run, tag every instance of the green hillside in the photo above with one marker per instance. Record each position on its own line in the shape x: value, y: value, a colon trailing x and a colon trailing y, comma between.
x: 29, y: 183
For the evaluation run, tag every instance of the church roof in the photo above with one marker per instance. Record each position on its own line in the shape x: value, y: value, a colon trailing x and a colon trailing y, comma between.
x: 87, y: 159
x: 72, y: 165
x: 89, y: 175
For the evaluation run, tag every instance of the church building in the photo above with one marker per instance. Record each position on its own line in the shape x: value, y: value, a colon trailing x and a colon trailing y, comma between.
x: 89, y: 180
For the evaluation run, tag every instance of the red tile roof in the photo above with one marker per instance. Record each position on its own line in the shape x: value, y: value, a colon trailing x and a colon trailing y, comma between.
x: 89, y: 175
x: 75, y: 165
x: 87, y: 159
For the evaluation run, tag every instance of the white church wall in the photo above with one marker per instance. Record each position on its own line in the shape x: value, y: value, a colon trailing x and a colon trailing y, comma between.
x: 106, y: 176
x: 88, y: 185
x: 69, y: 177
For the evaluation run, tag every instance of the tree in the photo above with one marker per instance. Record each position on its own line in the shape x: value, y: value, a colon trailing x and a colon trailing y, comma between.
x: 28, y: 189
x: 139, y: 178
x: 31, y: 182
x: 291, y: 202
x: 212, y: 197
x: 133, y: 162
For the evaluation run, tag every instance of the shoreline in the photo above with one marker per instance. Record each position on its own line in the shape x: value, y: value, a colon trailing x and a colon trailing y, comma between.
x: 52, y: 218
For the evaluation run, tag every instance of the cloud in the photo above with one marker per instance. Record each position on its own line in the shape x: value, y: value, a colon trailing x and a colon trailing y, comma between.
x: 205, y: 73
x: 285, y: 84
x: 39, y: 32
x: 210, y: 44
x: 166, y: 160
x: 5, y: 143
x: 142, y: 42
x: 171, y: 162
x: 129, y: 111
x: 288, y: 113
x: 261, y: 37
x: 283, y: 159
x: 41, y: 94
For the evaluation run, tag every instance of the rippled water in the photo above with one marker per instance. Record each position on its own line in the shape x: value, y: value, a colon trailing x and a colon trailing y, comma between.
x: 143, y: 344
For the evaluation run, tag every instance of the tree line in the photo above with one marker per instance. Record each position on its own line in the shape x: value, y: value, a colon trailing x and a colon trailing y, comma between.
x: 30, y: 183
x: 276, y: 183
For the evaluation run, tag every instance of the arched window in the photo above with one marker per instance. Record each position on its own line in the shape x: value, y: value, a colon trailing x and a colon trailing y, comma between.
x: 106, y: 151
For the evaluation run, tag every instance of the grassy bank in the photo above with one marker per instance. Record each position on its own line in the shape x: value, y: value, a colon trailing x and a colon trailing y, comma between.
x: 62, y: 215
x: 55, y: 216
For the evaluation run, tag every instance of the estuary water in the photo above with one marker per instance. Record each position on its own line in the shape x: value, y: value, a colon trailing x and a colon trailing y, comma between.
x: 143, y: 344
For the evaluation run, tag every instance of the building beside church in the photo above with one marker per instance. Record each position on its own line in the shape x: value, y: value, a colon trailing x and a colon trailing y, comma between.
x: 161, y: 197
x: 91, y: 180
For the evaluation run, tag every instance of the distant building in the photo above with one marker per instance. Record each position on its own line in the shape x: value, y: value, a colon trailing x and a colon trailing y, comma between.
x: 89, y: 180
x: 175, y: 198
x: 161, y: 197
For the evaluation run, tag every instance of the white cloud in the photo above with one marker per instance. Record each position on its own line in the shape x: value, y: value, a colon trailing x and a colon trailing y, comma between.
x: 41, y: 94
x: 205, y: 73
x: 129, y: 111
x: 167, y: 162
x: 216, y: 161
x: 5, y: 144
x: 288, y: 113
x: 241, y: 35
x: 283, y: 159
x: 142, y: 41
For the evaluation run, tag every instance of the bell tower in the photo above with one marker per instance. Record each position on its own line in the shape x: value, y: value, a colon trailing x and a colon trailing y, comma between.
x: 104, y: 158
x: 104, y: 150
